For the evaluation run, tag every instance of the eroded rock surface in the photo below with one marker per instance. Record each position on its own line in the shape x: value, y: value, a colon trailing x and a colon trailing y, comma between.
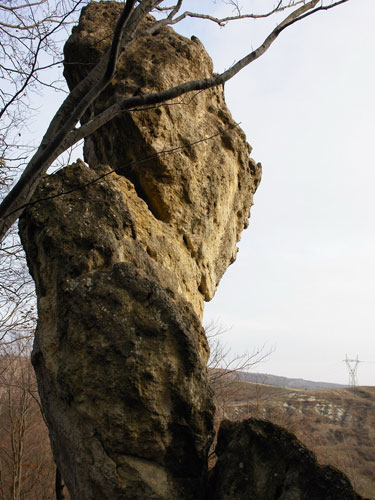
x: 198, y: 194
x: 118, y: 354
x: 122, y: 263
x: 259, y: 460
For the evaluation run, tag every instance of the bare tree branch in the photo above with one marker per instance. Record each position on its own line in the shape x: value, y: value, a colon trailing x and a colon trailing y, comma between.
x: 170, y: 20
x: 225, y: 369
x: 174, y: 92
x: 118, y: 170
x: 71, y: 111
x: 62, y: 134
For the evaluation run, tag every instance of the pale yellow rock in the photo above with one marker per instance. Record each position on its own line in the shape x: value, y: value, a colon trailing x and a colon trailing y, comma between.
x: 123, y: 262
x: 187, y: 160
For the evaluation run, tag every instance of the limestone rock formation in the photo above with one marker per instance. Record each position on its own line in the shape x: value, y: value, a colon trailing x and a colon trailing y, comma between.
x: 198, y: 195
x: 259, y: 460
x: 123, y: 252
x: 118, y: 356
x: 122, y: 262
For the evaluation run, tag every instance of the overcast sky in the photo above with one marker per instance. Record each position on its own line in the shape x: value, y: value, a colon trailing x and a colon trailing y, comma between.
x: 304, y: 279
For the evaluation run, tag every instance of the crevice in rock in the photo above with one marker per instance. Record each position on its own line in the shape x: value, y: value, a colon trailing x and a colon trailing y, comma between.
x: 203, y: 287
x: 189, y: 245
x: 134, y: 179
x: 154, y: 204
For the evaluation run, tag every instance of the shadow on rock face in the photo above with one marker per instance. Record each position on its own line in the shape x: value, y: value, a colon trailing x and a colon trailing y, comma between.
x: 258, y: 460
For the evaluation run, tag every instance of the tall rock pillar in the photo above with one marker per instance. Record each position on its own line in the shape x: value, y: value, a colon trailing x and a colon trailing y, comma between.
x: 122, y: 264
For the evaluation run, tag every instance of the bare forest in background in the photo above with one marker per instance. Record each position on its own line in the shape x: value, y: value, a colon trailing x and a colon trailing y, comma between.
x: 337, y: 424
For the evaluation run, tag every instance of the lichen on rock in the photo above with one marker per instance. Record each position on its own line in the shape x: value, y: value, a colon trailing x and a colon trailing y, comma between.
x: 187, y: 160
x: 123, y: 252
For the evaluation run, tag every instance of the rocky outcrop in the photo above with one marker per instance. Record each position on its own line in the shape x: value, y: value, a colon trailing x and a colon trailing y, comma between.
x: 258, y: 460
x: 118, y: 355
x: 197, y: 195
x: 123, y: 252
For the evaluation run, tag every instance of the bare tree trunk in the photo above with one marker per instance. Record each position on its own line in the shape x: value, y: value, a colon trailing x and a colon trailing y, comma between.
x: 25, y: 454
x: 18, y: 420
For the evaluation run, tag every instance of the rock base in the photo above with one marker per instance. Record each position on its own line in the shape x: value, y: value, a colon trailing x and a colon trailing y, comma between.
x: 258, y: 460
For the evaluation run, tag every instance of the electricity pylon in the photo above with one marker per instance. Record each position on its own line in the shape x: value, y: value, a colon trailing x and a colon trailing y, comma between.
x: 352, y: 365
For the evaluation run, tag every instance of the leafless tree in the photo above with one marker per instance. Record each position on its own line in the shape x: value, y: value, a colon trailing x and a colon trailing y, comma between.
x: 225, y: 368
x: 17, y: 303
x: 24, y: 444
x: 31, y: 35
x: 26, y: 463
x: 63, y: 131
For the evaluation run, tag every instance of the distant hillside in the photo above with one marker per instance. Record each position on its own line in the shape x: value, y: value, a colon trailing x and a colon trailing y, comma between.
x: 337, y: 424
x: 292, y: 383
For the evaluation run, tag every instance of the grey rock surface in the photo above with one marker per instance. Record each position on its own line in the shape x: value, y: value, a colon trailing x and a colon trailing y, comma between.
x: 258, y: 460
x: 118, y: 355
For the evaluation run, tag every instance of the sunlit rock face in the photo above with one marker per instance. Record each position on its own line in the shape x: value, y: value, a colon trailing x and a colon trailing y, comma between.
x: 118, y: 354
x: 197, y: 195
x: 123, y: 252
x: 122, y: 263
